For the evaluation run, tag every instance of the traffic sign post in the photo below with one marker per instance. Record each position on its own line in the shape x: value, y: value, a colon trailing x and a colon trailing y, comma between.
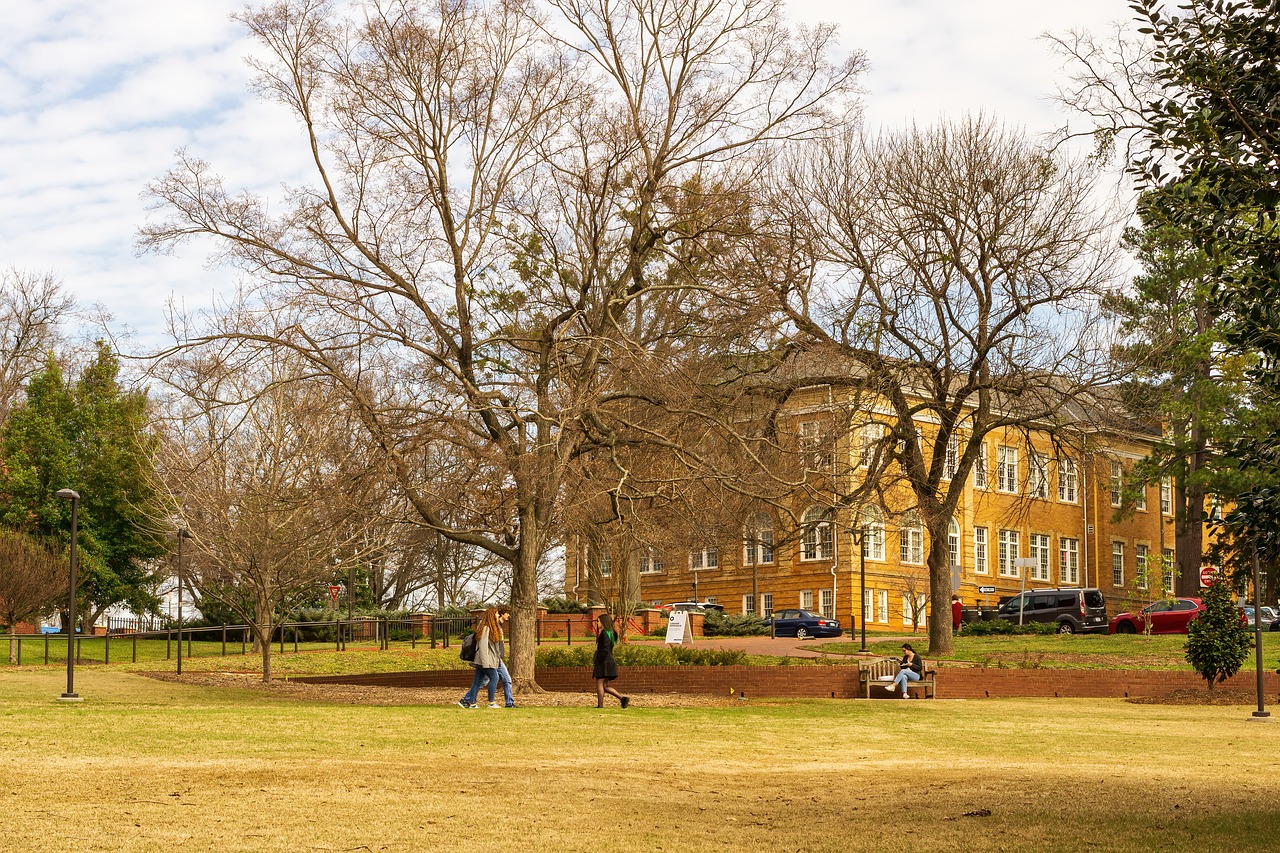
x: 334, y: 591
x: 985, y: 591
x: 1023, y: 563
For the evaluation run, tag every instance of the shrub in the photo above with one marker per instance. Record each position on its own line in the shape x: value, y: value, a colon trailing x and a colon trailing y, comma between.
x: 719, y: 624
x: 1004, y: 627
x: 564, y: 605
x: 1218, y: 641
x: 629, y: 655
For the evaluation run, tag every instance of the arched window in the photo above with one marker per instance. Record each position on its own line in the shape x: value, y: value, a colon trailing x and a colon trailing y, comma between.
x: 757, y: 540
x: 873, y: 533
x: 911, y: 539
x: 818, y: 540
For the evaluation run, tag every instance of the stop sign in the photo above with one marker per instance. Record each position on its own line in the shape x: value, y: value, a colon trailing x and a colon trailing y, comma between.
x: 1206, y: 575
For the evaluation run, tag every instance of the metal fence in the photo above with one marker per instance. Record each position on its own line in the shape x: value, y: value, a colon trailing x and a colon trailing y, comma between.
x: 144, y: 639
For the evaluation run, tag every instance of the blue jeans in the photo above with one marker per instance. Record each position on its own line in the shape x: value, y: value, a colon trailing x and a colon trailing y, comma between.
x: 904, y: 676
x: 482, y: 676
x: 505, y: 678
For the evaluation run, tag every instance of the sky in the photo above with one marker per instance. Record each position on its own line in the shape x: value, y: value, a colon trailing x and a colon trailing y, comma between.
x: 96, y: 98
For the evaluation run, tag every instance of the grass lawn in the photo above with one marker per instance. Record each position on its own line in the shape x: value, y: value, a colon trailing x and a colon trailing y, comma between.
x: 146, y: 765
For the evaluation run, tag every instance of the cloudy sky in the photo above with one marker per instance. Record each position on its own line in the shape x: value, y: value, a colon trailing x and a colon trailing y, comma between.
x: 95, y: 98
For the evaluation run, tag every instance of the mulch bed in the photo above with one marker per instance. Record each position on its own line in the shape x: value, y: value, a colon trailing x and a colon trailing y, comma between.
x: 1205, y: 696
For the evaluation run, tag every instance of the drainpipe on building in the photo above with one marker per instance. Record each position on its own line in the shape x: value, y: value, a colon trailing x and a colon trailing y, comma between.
x: 1084, y: 502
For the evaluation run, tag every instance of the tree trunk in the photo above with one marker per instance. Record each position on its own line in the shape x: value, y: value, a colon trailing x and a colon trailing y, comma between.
x: 262, y: 637
x: 1189, y: 530
x: 941, y: 638
x: 524, y: 616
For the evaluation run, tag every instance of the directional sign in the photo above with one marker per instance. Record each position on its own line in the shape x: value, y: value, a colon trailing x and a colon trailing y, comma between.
x: 986, y: 590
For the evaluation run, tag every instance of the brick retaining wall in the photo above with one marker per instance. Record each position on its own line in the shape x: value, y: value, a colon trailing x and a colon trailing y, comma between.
x: 836, y: 682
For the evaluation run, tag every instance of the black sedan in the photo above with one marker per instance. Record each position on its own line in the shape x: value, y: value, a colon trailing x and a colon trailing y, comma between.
x: 802, y: 624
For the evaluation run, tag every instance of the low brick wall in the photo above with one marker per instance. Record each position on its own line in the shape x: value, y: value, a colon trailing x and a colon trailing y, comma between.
x: 833, y: 682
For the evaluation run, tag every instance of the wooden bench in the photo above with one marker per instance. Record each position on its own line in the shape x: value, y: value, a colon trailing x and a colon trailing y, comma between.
x: 877, y: 673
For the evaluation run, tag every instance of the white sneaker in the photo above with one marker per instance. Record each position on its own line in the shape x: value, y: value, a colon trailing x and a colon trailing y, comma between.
x: 494, y: 705
x: 890, y: 687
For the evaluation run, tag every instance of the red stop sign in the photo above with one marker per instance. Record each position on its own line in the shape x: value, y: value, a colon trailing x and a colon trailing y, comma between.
x: 1206, y: 575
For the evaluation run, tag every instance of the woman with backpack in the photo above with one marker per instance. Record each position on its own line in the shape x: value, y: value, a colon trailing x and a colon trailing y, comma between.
x: 604, y: 667
x: 488, y: 658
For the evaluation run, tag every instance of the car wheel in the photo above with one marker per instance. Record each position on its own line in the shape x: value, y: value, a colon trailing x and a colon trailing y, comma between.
x: 1126, y: 628
x: 802, y: 633
x: 1066, y: 628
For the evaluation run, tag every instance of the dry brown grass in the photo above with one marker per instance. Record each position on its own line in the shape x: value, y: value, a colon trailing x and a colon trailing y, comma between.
x: 147, y: 765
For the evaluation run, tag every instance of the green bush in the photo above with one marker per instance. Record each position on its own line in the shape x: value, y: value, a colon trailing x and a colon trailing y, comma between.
x: 1005, y: 627
x: 719, y: 624
x: 629, y: 655
x: 564, y: 605
x: 1218, y: 641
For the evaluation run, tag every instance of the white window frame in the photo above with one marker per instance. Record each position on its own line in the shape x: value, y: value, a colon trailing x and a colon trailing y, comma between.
x: 1117, y: 563
x: 1140, y: 500
x: 1038, y: 475
x: 1068, y: 480
x: 812, y: 441
x: 1006, y: 469
x: 953, y: 543
x: 817, y: 540
x: 951, y: 461
x: 1117, y: 484
x: 806, y: 599
x: 757, y: 540
x: 826, y: 603
x: 1040, y: 549
x: 766, y: 604
x: 605, y: 565
x: 870, y: 437
x: 1166, y: 496
x: 1010, y: 549
x: 909, y: 613
x: 911, y: 540
x: 981, y: 551
x: 707, y: 558
x: 873, y: 534
x: 748, y: 605
x: 651, y: 562
x: 980, y: 467
x: 869, y: 606
x: 882, y: 605
x: 1140, y: 552
x: 1069, y: 561
x: 1168, y: 571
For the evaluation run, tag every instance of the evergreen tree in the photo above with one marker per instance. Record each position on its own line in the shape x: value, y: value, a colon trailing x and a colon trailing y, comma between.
x: 90, y: 435
x: 1218, y: 641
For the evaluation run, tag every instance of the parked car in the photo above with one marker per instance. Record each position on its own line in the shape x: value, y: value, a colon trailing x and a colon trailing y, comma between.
x: 802, y: 624
x: 1169, y: 616
x: 1268, y: 616
x: 1072, y: 609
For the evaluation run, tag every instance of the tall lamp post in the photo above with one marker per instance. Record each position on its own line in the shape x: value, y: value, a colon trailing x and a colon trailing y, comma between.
x: 183, y: 533
x: 858, y: 536
x: 71, y: 695
x: 1261, y: 713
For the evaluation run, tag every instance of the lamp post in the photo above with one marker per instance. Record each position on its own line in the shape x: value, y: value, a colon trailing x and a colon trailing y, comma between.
x: 858, y: 536
x: 71, y: 695
x: 183, y: 533
x: 1259, y: 714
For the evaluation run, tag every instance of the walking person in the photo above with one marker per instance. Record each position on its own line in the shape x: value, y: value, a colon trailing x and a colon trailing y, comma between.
x: 910, y: 668
x: 604, y: 667
x: 488, y: 659
x: 957, y: 614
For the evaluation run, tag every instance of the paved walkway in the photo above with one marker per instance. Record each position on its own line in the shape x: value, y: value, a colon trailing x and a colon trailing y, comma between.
x: 778, y: 646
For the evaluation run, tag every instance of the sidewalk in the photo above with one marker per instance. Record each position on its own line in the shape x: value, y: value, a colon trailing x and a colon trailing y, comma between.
x: 778, y: 646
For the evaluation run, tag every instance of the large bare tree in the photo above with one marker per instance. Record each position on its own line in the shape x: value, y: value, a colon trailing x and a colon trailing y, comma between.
x: 500, y: 190
x: 31, y: 309
x: 33, y: 579
x: 954, y: 277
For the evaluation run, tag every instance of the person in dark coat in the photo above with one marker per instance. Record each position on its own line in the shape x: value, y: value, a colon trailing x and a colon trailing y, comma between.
x: 603, y: 667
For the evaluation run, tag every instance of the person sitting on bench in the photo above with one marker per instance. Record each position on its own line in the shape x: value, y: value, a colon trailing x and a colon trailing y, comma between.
x: 910, y: 668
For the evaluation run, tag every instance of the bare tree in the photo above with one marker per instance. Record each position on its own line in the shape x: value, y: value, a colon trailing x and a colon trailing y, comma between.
x: 32, y: 580
x: 260, y: 473
x: 31, y: 309
x: 499, y: 193
x: 954, y: 277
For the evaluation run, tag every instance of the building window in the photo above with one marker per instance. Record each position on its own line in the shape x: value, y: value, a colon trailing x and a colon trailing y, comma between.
x: 1040, y: 551
x: 1166, y: 496
x: 911, y: 540
x: 749, y: 604
x: 870, y: 444
x: 882, y: 605
x: 951, y: 462
x: 757, y: 540
x: 869, y: 607
x: 827, y: 600
x: 817, y: 540
x: 1008, y: 553
x: 953, y: 543
x: 1140, y: 563
x: 873, y: 533
x: 1006, y: 468
x: 980, y: 467
x: 1168, y: 571
x: 766, y: 604
x: 1140, y: 499
x: 1117, y: 563
x: 1068, y: 480
x: 979, y: 550
x: 813, y: 445
x: 707, y: 558
x: 650, y: 561
x: 1069, y: 561
x: 606, y: 567
x: 910, y: 611
x: 1117, y: 483
x: 1038, y: 475
x: 806, y: 599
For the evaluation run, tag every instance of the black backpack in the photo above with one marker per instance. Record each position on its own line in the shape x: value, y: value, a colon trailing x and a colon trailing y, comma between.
x: 469, y: 648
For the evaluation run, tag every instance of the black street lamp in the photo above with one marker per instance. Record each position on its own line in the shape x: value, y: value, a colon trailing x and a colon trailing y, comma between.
x: 71, y: 695
x: 183, y: 533
x: 1261, y: 713
x: 858, y: 536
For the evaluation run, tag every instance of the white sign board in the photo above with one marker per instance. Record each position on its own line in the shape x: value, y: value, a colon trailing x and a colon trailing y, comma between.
x: 678, y: 628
